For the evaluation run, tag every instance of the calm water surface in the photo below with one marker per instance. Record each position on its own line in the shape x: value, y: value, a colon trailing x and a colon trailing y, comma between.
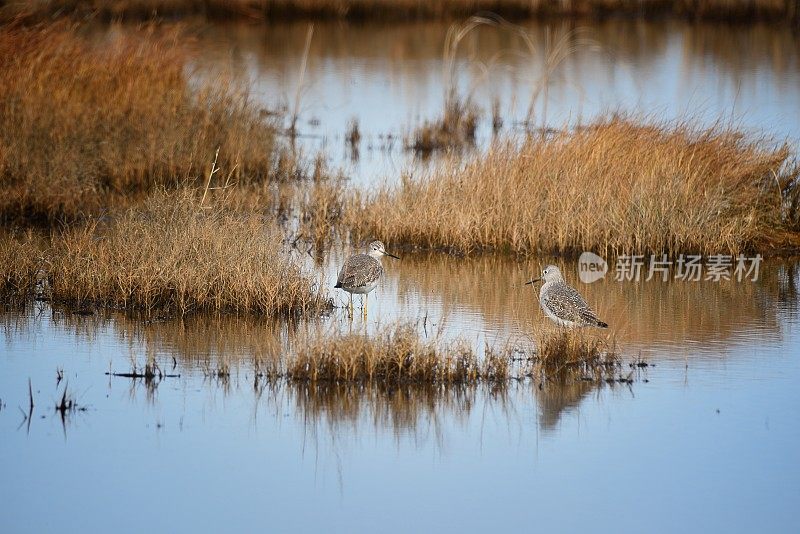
x: 704, y: 440
x: 390, y: 78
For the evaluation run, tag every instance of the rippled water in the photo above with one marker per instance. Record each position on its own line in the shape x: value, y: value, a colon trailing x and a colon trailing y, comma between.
x: 704, y: 439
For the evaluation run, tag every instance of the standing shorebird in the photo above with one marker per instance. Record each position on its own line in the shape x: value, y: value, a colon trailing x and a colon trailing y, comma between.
x: 562, y: 303
x: 360, y: 273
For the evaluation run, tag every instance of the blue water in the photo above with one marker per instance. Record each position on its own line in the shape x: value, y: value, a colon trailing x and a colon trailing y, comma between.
x: 704, y: 440
x: 391, y: 79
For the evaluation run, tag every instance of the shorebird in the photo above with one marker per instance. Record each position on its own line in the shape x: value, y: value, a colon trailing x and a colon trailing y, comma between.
x: 562, y: 303
x: 361, y: 272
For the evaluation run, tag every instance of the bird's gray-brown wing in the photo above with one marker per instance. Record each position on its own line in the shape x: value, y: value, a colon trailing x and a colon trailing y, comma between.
x: 359, y: 271
x: 567, y: 304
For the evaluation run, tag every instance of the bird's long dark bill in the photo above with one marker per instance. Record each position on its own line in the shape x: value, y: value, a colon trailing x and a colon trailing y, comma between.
x: 392, y: 256
x: 533, y: 281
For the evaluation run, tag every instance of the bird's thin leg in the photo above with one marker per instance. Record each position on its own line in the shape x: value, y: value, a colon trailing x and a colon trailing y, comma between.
x: 350, y: 308
x: 366, y: 301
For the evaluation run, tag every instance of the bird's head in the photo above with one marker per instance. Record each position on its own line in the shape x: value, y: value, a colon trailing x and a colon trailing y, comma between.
x: 551, y: 273
x: 376, y: 250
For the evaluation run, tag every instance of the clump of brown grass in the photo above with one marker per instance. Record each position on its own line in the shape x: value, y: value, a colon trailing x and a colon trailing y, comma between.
x: 85, y: 123
x: 172, y: 255
x: 456, y: 128
x: 561, y: 352
x: 617, y: 186
x: 394, y: 355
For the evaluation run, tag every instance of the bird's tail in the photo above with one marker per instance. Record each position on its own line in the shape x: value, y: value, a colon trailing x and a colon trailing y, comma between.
x: 338, y: 285
x: 601, y: 324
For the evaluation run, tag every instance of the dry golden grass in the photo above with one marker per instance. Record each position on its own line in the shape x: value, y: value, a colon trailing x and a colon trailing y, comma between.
x: 83, y: 125
x: 21, y: 258
x: 615, y: 187
x: 395, y: 355
x: 774, y: 10
x: 574, y: 353
x: 172, y: 256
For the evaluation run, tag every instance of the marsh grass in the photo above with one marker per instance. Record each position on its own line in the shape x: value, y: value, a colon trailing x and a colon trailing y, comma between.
x: 455, y: 129
x: 577, y: 354
x: 394, y: 355
x: 85, y: 125
x: 21, y: 261
x: 772, y: 10
x: 171, y: 256
x: 617, y: 186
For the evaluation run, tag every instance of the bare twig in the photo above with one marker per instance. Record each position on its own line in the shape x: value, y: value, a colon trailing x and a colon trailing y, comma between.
x: 300, y: 82
x: 214, y: 170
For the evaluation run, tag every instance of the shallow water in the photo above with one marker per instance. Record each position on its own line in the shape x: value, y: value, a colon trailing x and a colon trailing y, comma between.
x: 704, y: 439
x: 391, y: 79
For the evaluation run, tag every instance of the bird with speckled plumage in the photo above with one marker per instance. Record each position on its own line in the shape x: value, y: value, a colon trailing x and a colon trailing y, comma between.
x: 360, y: 273
x: 562, y: 303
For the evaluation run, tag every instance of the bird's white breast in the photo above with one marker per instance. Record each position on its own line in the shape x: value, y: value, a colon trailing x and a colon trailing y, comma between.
x: 363, y: 290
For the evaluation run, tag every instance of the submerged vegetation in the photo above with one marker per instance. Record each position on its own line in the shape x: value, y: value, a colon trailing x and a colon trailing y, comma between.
x: 615, y: 187
x: 85, y: 125
x: 772, y: 10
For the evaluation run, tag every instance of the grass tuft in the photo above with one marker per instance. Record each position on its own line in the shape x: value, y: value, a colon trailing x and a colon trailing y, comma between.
x: 455, y: 129
x: 395, y: 355
x: 577, y: 353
